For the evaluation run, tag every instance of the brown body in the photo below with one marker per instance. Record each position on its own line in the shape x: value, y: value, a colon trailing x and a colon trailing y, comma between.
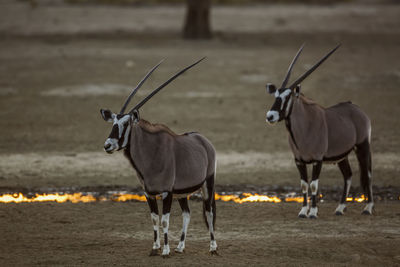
x: 318, y: 134
x: 167, y: 162
x: 326, y: 134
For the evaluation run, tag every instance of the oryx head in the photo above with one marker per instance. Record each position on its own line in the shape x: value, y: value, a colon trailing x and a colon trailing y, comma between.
x: 123, y: 122
x: 284, y: 96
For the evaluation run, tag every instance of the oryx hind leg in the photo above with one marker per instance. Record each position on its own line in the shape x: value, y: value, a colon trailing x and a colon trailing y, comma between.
x: 184, y: 203
x: 345, y: 168
x: 301, y: 166
x: 156, y: 228
x: 209, y: 210
x: 363, y: 153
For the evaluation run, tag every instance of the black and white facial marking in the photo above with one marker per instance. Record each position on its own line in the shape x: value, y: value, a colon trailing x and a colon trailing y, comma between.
x: 282, y: 105
x: 119, y: 136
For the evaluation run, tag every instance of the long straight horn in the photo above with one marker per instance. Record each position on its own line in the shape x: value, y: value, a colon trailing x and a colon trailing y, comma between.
x: 305, y: 75
x: 138, y: 86
x: 141, y: 103
x: 285, y: 81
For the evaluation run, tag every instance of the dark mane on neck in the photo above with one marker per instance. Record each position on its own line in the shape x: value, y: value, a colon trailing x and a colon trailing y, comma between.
x: 155, y: 128
x: 308, y: 101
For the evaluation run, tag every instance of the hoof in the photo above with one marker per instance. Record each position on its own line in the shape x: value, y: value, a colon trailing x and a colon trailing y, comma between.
x: 339, y: 213
x: 302, y: 216
x: 312, y: 217
x: 165, y: 256
x: 154, y: 252
x: 366, y: 212
x: 179, y: 251
x: 214, y: 253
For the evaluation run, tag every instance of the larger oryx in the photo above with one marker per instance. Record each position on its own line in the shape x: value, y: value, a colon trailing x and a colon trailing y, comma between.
x: 318, y: 134
x: 166, y: 164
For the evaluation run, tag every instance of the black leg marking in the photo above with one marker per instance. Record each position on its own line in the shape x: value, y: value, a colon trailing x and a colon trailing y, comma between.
x: 152, y: 204
x: 345, y: 168
x: 184, y: 203
x: 183, y: 237
x: 167, y: 202
x: 165, y: 239
x: 305, y: 200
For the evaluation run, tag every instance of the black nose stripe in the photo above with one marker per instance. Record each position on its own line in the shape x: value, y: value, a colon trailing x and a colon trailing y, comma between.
x: 114, y: 132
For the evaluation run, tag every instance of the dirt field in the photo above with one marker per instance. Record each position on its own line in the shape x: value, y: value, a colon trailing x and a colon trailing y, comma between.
x: 60, y: 64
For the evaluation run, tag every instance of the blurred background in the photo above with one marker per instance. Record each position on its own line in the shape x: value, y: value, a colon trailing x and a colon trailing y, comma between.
x: 63, y: 60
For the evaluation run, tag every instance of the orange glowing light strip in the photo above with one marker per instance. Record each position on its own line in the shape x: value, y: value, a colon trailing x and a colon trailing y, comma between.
x: 59, y: 198
x: 356, y: 199
x: 122, y: 197
x: 248, y: 198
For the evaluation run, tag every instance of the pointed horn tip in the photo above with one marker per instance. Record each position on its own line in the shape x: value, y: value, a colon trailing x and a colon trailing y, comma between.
x: 201, y: 59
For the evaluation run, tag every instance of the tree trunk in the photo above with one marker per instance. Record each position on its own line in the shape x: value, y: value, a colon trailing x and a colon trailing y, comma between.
x: 197, y: 21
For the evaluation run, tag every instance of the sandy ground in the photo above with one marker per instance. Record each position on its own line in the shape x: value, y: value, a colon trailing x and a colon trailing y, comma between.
x: 264, y: 234
x: 60, y: 64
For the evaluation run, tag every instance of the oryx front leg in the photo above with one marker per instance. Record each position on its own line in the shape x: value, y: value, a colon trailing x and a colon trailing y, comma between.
x: 304, y: 187
x: 184, y: 203
x: 155, y: 219
x: 167, y: 201
x: 313, y: 214
x: 344, y: 167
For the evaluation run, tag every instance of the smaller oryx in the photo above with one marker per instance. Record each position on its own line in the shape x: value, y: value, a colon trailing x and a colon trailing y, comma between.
x: 318, y: 134
x: 166, y: 164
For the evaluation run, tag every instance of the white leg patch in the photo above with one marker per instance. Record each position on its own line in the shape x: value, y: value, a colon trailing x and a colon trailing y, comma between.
x: 303, y: 212
x: 314, y: 187
x: 348, y: 182
x: 186, y: 220
x: 165, y: 225
x: 304, y: 186
x: 368, y: 208
x: 166, y: 250
x: 340, y: 209
x: 213, y: 245
x: 155, y: 220
x: 313, y: 212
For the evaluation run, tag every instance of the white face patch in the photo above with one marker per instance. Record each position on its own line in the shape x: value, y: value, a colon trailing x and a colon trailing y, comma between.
x: 272, y: 116
x: 111, y: 144
x: 283, y: 96
x: 121, y: 122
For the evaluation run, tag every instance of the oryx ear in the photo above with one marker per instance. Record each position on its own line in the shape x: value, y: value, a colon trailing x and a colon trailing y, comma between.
x: 107, y: 115
x: 271, y: 88
x: 297, y: 90
x: 135, y: 116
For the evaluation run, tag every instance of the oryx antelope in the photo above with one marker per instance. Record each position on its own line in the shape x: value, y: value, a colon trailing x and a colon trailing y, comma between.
x: 166, y: 164
x: 318, y: 134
